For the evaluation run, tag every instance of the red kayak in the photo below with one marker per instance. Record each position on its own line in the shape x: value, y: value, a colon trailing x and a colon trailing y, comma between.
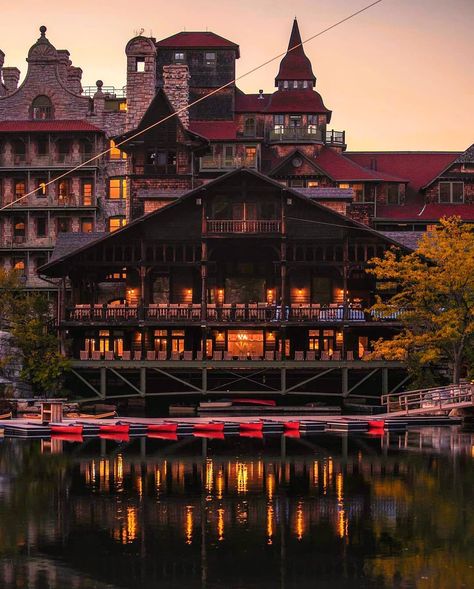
x: 170, y: 428
x: 208, y: 427
x: 115, y: 428
x: 292, y: 433
x: 68, y: 437
x: 251, y: 434
x: 242, y: 401
x: 162, y: 436
x: 209, y: 435
x: 253, y: 426
x: 115, y: 437
x: 292, y: 425
x: 67, y: 429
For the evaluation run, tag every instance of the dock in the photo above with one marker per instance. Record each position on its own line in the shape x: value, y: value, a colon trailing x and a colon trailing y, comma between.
x: 217, y: 426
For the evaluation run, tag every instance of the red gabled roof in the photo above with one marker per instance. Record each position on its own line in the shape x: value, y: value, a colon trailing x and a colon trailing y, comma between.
x: 197, y: 40
x: 342, y: 169
x: 418, y: 167
x: 46, y: 126
x: 422, y: 212
x: 295, y: 65
x: 251, y: 102
x: 215, y: 130
x: 299, y: 101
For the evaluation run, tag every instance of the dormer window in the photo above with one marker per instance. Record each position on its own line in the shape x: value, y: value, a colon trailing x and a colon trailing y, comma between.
x: 140, y: 64
x: 179, y: 57
x: 305, y: 83
x: 285, y: 84
x: 41, y: 108
x: 295, y: 84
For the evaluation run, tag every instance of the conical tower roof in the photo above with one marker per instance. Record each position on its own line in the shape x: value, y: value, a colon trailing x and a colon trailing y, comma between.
x: 295, y: 65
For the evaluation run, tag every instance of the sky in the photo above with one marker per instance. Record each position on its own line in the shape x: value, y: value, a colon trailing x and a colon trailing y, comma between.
x: 399, y: 76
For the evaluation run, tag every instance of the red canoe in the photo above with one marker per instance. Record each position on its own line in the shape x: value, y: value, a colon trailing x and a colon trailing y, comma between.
x: 68, y: 437
x: 209, y: 435
x: 292, y: 425
x: 162, y: 436
x: 170, y: 428
x: 115, y: 437
x: 67, y: 429
x: 115, y: 428
x: 377, y: 424
x: 253, y: 426
x: 241, y: 401
x: 251, y: 434
x: 292, y: 433
x: 208, y: 427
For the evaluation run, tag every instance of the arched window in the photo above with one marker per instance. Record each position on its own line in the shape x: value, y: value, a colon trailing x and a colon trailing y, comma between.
x: 41, y: 108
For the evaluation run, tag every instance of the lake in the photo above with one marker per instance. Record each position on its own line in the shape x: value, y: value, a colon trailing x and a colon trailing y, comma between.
x: 391, y: 511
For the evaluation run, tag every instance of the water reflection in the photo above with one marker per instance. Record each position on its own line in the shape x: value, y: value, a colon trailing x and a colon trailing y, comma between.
x: 325, y: 511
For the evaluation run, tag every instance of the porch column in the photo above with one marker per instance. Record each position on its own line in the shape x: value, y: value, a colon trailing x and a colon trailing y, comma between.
x: 204, y: 296
x: 345, y: 274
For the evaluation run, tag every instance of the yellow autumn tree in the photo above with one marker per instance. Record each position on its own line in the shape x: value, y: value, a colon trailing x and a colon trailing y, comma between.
x: 434, y: 299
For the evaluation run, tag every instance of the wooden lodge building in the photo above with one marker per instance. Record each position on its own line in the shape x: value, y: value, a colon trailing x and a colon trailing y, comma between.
x: 242, y: 266
x: 193, y: 298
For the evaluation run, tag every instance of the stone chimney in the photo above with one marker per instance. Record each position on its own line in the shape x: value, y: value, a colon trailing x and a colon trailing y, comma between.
x: 141, y: 78
x: 74, y: 77
x: 176, y: 86
x: 11, y: 77
x: 64, y: 63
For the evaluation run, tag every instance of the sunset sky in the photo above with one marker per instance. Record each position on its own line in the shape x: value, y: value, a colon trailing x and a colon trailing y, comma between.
x: 399, y: 76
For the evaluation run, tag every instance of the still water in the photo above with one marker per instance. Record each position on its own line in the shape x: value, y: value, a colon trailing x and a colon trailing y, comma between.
x: 320, y: 512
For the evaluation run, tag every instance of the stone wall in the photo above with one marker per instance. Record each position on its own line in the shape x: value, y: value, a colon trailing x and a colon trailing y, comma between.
x: 10, y: 371
x: 176, y: 86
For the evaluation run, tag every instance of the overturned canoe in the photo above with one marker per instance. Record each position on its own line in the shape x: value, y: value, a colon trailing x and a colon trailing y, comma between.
x: 292, y: 425
x: 209, y: 427
x: 170, y: 428
x: 115, y: 428
x: 72, y: 429
x: 162, y: 436
x: 252, y: 426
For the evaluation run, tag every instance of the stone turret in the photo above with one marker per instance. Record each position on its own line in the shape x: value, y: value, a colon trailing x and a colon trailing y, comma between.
x: 63, y: 63
x: 176, y: 86
x: 141, y: 77
x: 74, y: 77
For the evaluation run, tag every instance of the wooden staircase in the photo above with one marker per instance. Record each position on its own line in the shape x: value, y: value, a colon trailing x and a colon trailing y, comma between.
x: 430, y: 401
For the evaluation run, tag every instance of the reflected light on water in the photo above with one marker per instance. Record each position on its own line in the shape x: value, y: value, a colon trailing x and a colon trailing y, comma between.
x: 220, y: 524
x: 189, y: 524
x: 242, y: 477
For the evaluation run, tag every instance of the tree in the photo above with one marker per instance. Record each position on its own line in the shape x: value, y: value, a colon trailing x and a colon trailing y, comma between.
x: 27, y: 316
x: 434, y: 298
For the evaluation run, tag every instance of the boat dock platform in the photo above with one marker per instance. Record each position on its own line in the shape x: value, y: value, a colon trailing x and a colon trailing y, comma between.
x: 217, y: 427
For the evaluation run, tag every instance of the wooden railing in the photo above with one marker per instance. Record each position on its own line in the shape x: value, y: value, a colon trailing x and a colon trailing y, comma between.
x: 429, y: 400
x: 243, y: 226
x: 283, y: 134
x: 226, y: 313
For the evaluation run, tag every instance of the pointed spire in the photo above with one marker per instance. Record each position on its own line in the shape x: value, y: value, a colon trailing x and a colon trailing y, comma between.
x: 295, y: 66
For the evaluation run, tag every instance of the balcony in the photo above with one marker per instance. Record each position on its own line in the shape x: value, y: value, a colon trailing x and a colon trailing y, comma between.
x: 225, y: 313
x: 219, y: 162
x: 308, y: 134
x: 60, y: 160
x: 226, y: 226
x: 35, y: 201
x: 336, y: 138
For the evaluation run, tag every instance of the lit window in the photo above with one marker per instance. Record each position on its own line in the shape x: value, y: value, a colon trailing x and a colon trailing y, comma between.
x: 20, y: 188
x: 116, y: 223
x: 41, y: 185
x: 122, y: 106
x: 451, y: 192
x: 87, y: 225
x: 18, y: 264
x: 41, y: 108
x: 87, y: 190
x: 117, y: 188
x: 140, y: 64
x: 312, y: 184
x: 115, y: 153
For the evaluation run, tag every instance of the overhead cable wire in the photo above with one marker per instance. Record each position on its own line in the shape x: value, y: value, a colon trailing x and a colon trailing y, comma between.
x: 197, y: 101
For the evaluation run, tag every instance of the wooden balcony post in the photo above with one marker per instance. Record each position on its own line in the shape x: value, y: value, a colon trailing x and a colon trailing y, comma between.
x: 345, y: 275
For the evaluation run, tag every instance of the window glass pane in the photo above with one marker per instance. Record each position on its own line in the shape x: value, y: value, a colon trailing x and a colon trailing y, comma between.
x: 458, y: 191
x: 444, y: 192
x: 392, y: 194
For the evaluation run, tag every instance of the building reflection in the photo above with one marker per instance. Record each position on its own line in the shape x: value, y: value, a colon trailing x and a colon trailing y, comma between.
x: 176, y: 509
